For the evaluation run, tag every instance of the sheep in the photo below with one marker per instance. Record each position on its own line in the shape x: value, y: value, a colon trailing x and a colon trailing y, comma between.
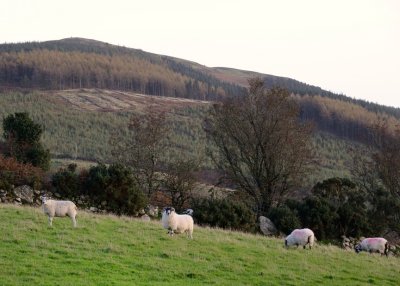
x: 188, y: 212
x: 300, y: 237
x: 55, y: 208
x: 176, y: 223
x: 373, y: 244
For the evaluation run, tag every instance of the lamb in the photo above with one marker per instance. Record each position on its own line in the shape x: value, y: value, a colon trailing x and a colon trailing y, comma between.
x: 176, y: 223
x: 55, y: 208
x: 300, y: 237
x: 373, y: 244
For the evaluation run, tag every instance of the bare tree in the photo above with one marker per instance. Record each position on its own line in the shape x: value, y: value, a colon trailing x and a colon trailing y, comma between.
x: 143, y: 149
x: 387, y: 156
x: 180, y: 180
x: 261, y: 145
x: 377, y: 170
x: 363, y: 169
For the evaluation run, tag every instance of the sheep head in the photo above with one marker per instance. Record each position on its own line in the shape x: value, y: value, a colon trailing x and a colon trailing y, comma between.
x: 169, y: 210
x: 43, y: 199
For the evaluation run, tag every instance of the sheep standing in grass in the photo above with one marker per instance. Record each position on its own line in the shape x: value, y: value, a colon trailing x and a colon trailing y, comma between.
x: 300, y: 237
x: 176, y: 223
x: 54, y: 208
x: 373, y: 244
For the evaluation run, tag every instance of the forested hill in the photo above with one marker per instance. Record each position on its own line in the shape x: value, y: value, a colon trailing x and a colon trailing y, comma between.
x: 82, y: 63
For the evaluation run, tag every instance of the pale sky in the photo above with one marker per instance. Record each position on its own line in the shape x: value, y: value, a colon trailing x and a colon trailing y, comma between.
x: 350, y: 47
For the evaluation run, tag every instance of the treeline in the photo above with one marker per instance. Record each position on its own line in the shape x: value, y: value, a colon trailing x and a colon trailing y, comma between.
x: 343, y: 118
x: 298, y: 87
x: 81, y: 63
x: 304, y: 89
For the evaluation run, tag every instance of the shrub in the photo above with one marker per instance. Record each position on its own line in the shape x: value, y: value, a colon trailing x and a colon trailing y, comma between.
x: 22, y: 137
x: 14, y: 173
x: 66, y: 181
x: 223, y: 213
x: 336, y: 207
x: 96, y: 182
x: 319, y: 215
x: 384, y: 211
x: 348, y: 202
x: 121, y: 191
x: 284, y: 218
x: 115, y: 185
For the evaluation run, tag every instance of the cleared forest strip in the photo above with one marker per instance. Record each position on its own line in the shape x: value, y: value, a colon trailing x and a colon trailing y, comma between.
x: 107, y: 100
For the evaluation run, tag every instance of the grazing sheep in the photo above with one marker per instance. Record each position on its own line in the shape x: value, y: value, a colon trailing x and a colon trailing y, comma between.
x: 176, y: 223
x: 55, y: 208
x: 188, y: 212
x: 300, y: 237
x: 373, y: 244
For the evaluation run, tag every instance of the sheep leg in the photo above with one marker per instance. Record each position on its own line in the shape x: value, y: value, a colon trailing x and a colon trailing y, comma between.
x: 308, y: 242
x: 73, y: 221
x: 386, y: 251
x: 50, y: 221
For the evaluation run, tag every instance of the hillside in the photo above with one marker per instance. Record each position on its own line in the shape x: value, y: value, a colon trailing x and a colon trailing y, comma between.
x: 83, y: 92
x: 79, y: 124
x: 109, y: 250
x: 83, y: 63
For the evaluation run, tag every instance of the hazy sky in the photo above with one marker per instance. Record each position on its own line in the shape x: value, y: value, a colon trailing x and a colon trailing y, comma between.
x: 350, y: 47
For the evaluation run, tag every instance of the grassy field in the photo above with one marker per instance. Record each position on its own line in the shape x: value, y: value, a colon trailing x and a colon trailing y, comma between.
x: 109, y: 250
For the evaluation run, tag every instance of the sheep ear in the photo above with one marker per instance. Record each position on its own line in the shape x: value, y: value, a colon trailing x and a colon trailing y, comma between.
x: 172, y: 209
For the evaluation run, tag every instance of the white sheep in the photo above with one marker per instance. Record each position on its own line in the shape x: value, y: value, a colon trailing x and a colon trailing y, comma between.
x: 55, y: 208
x: 300, y: 237
x: 176, y: 223
x: 373, y: 244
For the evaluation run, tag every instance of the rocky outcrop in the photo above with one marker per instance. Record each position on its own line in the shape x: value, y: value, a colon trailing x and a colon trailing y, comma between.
x: 267, y: 227
x: 24, y: 194
x: 21, y: 195
x: 348, y: 243
x: 145, y: 217
x: 152, y: 211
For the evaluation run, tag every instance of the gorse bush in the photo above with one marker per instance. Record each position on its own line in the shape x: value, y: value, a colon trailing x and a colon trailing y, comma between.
x: 113, y: 185
x: 320, y: 216
x: 384, y: 211
x: 224, y: 213
x: 337, y: 207
x: 284, y: 218
x: 66, y: 181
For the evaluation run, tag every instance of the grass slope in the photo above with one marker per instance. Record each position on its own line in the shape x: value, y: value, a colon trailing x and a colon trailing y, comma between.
x: 107, y: 250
